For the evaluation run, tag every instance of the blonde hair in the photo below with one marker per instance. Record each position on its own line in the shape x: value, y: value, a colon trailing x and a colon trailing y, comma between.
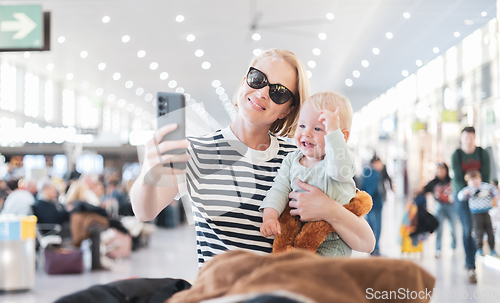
x: 330, y: 101
x: 472, y: 175
x: 286, y: 127
x: 76, y: 192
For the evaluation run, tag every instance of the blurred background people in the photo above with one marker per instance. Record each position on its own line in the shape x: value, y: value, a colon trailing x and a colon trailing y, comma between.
x: 19, y: 201
x: 440, y: 187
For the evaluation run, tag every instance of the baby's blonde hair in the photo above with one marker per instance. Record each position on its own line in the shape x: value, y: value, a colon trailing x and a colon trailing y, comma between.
x: 330, y: 101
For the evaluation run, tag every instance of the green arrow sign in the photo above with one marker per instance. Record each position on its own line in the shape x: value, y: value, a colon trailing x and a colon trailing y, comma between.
x: 21, y: 27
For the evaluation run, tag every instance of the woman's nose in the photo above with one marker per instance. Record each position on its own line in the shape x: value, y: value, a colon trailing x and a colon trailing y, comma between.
x: 263, y: 92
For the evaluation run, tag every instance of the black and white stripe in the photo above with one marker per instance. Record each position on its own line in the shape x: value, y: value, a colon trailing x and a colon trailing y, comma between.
x: 226, y: 184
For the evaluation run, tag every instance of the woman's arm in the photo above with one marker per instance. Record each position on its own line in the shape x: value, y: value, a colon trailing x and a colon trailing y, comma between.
x: 314, y: 205
x: 156, y: 186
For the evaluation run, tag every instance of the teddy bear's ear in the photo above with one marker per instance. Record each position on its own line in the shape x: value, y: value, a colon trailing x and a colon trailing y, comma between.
x: 357, y: 190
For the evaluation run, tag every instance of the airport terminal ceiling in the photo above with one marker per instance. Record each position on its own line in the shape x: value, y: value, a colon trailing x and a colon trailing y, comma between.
x: 128, y: 50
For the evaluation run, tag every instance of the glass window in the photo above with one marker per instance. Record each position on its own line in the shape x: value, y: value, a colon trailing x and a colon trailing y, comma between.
x: 60, y: 166
x: 8, y: 87
x: 89, y: 164
x: 31, y: 95
x: 33, y: 162
x: 49, y: 101
x: 68, y: 107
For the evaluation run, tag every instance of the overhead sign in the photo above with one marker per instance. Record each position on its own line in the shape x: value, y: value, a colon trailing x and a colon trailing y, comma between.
x: 24, y: 27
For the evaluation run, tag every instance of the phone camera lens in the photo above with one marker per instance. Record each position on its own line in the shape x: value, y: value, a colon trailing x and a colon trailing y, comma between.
x: 161, y: 107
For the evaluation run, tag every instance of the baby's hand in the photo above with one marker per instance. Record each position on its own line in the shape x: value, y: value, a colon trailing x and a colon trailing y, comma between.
x: 330, y: 119
x: 270, y: 227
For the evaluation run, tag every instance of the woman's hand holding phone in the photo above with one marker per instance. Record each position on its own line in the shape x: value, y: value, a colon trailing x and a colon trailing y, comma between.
x: 158, y: 163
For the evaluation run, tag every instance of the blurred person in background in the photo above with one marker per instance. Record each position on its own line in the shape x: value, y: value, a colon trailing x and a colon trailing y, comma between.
x: 77, y: 192
x: 4, y: 192
x: 90, y: 194
x: 468, y: 157
x: 371, y: 182
x: 19, y: 202
x: 29, y: 185
x: 440, y: 187
x: 47, y: 208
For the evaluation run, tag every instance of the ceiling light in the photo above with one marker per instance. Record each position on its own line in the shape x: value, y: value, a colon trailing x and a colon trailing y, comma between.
x: 121, y: 102
x: 139, y: 91
x: 125, y: 38
x: 406, y: 15
x: 117, y: 76
x: 26, y: 55
x: 356, y: 73
x: 418, y: 62
x: 188, y: 96
x: 129, y: 84
x: 456, y: 34
x: 309, y: 74
x: 61, y: 39
x: 348, y: 82
x: 99, y: 91
x: 435, y: 50
x: 84, y: 54
x: 111, y: 97
x: 220, y: 90
x: 172, y: 83
x: 322, y: 36
x: 365, y: 63
x: 468, y: 22
x: 205, y: 65
x: 330, y: 16
x: 164, y: 76
x: 256, y: 37
x: 179, y: 18
x: 50, y: 66
x: 130, y: 107
x: 153, y: 66
x: 216, y: 83
x: 141, y: 53
x: 405, y: 73
x: 316, y: 51
x: 145, y: 115
x: 101, y: 66
x: 389, y: 35
x: 199, y: 53
x: 484, y: 14
x: 311, y: 64
x: 148, y: 97
x: 86, y: 84
x: 179, y: 90
x: 376, y: 51
x: 257, y: 52
x: 190, y: 38
x: 138, y: 111
x: 223, y: 97
x: 69, y: 76
x: 105, y: 19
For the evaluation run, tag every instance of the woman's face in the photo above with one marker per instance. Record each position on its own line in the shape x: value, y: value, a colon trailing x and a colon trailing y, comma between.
x: 441, y: 172
x: 255, y: 105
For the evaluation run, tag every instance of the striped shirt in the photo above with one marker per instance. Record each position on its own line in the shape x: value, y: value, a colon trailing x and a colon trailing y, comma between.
x: 226, y: 182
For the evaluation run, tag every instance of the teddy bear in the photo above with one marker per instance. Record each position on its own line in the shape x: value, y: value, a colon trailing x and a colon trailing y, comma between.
x: 295, y: 234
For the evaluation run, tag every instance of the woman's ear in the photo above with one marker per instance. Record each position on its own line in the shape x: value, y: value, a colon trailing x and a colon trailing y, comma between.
x: 346, y: 134
x: 284, y: 114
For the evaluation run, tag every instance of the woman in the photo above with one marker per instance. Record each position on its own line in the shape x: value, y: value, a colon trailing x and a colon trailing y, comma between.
x: 440, y: 186
x: 229, y: 171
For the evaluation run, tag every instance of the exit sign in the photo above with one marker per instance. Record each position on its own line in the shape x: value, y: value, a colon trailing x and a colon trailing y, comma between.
x: 24, y: 28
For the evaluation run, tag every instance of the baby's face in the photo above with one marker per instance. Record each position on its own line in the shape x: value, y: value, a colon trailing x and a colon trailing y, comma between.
x: 310, y: 133
x: 474, y: 182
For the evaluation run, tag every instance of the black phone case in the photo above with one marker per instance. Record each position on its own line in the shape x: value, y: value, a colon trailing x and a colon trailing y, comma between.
x: 170, y: 108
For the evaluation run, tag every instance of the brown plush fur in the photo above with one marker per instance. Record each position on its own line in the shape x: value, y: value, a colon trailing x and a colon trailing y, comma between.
x: 312, y: 234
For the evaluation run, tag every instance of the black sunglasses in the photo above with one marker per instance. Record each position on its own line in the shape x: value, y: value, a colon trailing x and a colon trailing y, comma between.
x: 277, y: 92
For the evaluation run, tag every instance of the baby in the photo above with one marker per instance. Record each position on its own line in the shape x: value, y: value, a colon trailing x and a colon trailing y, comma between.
x: 322, y: 159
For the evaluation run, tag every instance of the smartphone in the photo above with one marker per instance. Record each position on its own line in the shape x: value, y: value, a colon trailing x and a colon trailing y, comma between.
x: 171, y: 108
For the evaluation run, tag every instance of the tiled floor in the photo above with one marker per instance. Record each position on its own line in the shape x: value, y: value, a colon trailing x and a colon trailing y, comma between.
x: 172, y: 253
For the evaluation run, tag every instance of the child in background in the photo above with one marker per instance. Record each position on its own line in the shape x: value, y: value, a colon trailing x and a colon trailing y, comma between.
x: 482, y: 197
x: 322, y: 159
